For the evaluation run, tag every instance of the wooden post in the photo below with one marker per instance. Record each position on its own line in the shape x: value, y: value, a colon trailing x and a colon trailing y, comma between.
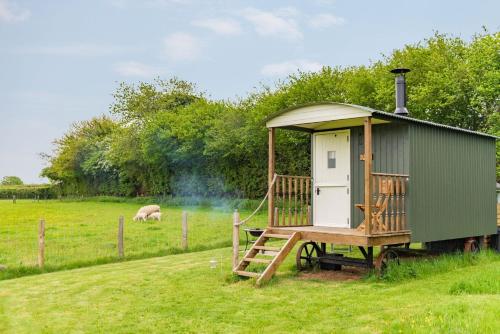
x: 236, y: 238
x: 368, y: 171
x: 270, y: 176
x: 184, y: 230
x: 13, y: 199
x: 41, y: 243
x: 120, y: 237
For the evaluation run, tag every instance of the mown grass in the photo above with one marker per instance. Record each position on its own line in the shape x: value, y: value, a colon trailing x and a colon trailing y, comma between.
x: 84, y: 233
x: 181, y: 294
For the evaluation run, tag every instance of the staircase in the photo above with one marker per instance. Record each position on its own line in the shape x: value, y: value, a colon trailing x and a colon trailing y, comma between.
x: 280, y: 253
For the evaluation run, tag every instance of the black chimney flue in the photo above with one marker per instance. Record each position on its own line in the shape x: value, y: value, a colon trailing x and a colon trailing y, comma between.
x: 400, y: 91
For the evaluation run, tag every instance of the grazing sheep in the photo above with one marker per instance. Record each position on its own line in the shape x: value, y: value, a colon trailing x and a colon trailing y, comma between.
x: 145, y: 211
x: 140, y: 216
x: 149, y: 209
x: 155, y: 216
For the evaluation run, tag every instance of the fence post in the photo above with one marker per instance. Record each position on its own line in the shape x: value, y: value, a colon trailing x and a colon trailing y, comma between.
x: 236, y: 238
x: 41, y: 243
x: 184, y: 230
x: 13, y: 199
x: 120, y: 237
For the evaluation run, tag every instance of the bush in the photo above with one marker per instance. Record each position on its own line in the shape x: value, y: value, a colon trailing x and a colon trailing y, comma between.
x: 42, y: 191
x: 11, y: 181
x: 207, y: 202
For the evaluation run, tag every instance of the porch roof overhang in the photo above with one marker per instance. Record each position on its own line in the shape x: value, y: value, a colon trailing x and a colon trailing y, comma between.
x: 324, y: 116
x: 331, y: 115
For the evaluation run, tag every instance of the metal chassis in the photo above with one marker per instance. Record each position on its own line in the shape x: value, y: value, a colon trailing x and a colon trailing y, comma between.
x: 337, y: 259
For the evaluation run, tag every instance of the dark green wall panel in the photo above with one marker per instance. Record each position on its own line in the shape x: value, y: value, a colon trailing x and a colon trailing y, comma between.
x: 452, y: 184
x: 390, y: 155
x: 451, y: 192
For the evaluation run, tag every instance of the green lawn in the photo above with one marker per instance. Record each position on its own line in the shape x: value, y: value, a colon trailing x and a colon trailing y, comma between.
x: 180, y: 293
x: 85, y: 233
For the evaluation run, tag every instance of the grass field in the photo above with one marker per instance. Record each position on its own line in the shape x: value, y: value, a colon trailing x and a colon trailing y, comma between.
x: 181, y: 294
x: 85, y: 233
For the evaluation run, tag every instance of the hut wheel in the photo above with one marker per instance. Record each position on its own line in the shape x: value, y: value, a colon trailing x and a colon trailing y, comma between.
x: 307, y: 255
x: 471, y: 246
x: 384, y: 258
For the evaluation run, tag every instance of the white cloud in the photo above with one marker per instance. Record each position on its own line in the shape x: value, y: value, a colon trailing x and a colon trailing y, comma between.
x: 181, y: 46
x: 290, y: 66
x: 160, y: 3
x: 78, y: 49
x: 10, y: 12
x: 287, y: 12
x: 137, y: 69
x: 220, y: 26
x: 280, y: 23
x: 322, y: 21
x: 124, y: 4
x: 326, y: 2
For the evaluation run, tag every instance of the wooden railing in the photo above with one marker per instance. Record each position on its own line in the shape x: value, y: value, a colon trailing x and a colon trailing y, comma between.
x: 389, y: 202
x: 498, y: 214
x: 292, y: 201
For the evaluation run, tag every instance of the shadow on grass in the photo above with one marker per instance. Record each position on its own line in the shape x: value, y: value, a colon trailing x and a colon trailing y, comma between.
x: 21, y: 271
x: 416, y: 269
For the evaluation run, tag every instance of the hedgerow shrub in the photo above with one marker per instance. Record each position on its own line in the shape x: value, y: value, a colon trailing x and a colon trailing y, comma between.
x: 44, y: 191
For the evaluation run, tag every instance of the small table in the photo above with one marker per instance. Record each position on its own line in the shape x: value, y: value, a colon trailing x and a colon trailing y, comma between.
x: 254, y: 232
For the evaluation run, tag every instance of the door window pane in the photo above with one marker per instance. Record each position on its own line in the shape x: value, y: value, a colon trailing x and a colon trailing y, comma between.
x: 331, y: 159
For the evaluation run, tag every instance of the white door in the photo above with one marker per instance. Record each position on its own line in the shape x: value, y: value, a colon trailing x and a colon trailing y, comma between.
x: 332, y: 196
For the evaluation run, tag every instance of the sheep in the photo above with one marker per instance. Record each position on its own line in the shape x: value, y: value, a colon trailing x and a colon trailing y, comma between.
x: 155, y: 216
x: 149, y: 209
x: 140, y: 216
x: 145, y: 211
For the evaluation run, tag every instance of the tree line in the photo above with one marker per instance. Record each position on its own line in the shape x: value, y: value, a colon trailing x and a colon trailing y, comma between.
x: 167, y: 138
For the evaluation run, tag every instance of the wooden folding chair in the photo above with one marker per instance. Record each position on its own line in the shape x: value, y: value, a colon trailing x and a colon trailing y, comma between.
x: 385, y: 191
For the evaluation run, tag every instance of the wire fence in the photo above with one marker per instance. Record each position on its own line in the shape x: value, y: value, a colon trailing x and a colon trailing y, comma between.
x: 69, y: 244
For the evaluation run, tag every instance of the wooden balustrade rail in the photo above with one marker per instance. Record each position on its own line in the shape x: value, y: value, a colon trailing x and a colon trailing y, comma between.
x: 389, y: 202
x: 292, y: 201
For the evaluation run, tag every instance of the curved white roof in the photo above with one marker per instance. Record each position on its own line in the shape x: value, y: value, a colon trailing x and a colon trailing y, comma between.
x: 321, y: 116
x: 330, y: 115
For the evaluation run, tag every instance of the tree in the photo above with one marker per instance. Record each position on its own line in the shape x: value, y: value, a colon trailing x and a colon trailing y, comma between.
x: 12, y: 181
x: 165, y: 137
x: 80, y: 161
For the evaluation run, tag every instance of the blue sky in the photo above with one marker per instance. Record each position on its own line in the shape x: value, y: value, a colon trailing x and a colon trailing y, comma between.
x: 61, y: 60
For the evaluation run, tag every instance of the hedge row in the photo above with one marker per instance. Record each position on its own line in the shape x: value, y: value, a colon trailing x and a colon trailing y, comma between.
x: 208, y: 202
x: 44, y: 191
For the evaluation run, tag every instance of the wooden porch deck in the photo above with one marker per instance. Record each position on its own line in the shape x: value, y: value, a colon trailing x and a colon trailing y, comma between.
x: 320, y: 234
x: 344, y: 236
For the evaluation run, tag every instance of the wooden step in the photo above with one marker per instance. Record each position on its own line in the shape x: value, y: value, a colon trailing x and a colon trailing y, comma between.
x: 279, y: 258
x: 267, y: 248
x: 277, y: 236
x: 246, y: 273
x: 253, y: 259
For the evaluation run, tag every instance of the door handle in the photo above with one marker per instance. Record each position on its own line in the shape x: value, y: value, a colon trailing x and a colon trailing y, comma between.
x: 317, y: 190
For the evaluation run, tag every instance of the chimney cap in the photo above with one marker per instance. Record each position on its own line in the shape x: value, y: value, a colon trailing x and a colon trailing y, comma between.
x: 400, y: 70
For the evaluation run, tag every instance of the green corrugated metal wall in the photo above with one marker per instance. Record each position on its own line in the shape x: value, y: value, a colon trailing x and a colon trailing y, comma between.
x: 390, y: 155
x: 452, y: 184
x: 452, y: 191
